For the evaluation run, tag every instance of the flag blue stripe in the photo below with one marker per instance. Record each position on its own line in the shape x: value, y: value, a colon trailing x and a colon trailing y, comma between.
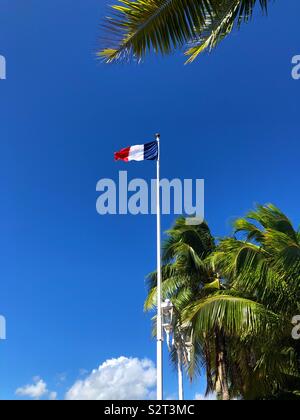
x: 151, y: 151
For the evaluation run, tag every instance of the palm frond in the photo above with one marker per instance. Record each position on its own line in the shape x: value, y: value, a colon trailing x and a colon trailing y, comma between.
x: 215, y: 30
x: 137, y: 27
x: 233, y: 314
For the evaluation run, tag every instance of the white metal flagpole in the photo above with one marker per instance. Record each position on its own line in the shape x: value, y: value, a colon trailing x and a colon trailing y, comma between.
x: 159, y: 288
x: 180, y: 376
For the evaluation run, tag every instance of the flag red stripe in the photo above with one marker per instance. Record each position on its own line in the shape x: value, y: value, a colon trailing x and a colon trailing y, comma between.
x: 123, y: 154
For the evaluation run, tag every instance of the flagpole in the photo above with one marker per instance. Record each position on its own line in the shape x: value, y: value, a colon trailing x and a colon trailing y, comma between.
x: 159, y: 286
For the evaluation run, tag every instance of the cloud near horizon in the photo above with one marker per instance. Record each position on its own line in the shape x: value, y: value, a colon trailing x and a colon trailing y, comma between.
x: 36, y: 391
x: 117, y: 379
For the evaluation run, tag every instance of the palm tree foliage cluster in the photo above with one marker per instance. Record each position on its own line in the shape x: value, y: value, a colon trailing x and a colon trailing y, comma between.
x: 137, y: 27
x: 237, y: 296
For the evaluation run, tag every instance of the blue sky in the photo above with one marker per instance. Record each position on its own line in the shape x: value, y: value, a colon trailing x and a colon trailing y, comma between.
x: 72, y: 282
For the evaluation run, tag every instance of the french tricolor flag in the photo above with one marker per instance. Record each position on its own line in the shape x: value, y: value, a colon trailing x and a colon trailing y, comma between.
x: 148, y: 151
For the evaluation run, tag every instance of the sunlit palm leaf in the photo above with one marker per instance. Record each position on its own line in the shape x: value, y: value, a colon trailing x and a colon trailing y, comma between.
x: 231, y: 313
x: 162, y: 25
x: 138, y: 27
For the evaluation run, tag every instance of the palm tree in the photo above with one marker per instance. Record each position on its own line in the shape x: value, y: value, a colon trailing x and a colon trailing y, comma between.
x: 238, y: 299
x: 187, y: 277
x: 262, y: 271
x: 137, y: 27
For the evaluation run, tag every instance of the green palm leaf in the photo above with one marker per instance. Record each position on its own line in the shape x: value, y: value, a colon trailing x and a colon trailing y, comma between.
x: 231, y: 313
x: 138, y: 27
x: 161, y: 25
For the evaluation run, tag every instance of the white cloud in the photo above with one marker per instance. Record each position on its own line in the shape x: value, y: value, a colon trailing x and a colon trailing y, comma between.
x: 37, y: 390
x: 117, y: 379
x: 52, y: 396
x: 209, y: 397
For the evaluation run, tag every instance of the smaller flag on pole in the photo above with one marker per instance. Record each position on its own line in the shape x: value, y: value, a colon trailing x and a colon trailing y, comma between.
x: 148, y: 151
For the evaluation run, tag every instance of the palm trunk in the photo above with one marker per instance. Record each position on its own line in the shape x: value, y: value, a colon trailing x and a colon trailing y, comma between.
x: 209, y: 377
x: 222, y: 377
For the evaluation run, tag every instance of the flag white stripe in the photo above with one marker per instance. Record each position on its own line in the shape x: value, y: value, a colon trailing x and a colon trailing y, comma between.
x: 136, y: 153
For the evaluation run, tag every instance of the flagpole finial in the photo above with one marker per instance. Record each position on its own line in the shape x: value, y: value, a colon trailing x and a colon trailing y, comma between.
x: 157, y: 135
